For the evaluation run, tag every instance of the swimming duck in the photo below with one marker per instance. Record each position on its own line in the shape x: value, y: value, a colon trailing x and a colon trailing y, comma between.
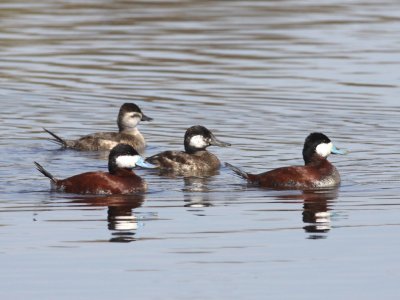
x: 129, y: 117
x: 317, y: 172
x: 195, y: 158
x: 120, y: 179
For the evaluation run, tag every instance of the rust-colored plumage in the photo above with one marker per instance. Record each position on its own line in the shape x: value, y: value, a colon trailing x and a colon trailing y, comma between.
x: 121, y: 182
x: 120, y: 179
x: 317, y: 172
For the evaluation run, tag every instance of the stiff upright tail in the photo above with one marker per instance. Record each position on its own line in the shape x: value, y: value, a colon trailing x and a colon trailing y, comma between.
x: 57, y: 139
x: 44, y: 172
x: 238, y: 171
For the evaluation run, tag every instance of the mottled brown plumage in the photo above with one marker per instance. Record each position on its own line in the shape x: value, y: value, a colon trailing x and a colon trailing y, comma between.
x: 195, y: 160
x: 103, y: 141
x: 182, y: 162
x: 128, y: 117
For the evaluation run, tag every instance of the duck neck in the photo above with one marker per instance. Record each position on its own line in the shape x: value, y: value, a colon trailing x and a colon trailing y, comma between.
x: 315, y: 160
x: 121, y: 171
x: 191, y: 150
x: 129, y: 130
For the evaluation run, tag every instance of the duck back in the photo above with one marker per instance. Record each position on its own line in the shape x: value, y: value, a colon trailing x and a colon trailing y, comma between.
x: 182, y: 162
x: 103, y: 141
x: 122, y: 182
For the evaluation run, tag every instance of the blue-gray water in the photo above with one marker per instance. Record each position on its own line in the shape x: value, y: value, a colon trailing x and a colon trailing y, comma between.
x: 261, y: 75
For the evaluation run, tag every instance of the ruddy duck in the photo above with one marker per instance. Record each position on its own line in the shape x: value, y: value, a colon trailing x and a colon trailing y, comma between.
x: 119, y: 179
x: 317, y: 172
x: 195, y: 158
x: 129, y: 117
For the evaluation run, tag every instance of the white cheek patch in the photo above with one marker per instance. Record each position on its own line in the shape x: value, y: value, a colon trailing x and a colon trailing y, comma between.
x: 324, y: 149
x: 198, y: 141
x: 127, y: 161
x: 132, y: 119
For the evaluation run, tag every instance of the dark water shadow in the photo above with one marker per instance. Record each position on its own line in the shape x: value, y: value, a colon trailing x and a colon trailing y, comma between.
x: 196, y: 185
x: 121, y: 219
x: 196, y: 193
x: 316, y: 210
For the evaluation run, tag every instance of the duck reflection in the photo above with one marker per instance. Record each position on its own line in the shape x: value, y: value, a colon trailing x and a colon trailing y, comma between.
x: 316, y: 210
x: 121, y: 219
x: 196, y: 192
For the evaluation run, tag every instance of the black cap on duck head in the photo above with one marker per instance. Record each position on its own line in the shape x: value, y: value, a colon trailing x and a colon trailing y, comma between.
x: 199, y: 138
x: 124, y: 156
x: 119, y: 157
x: 318, y: 143
x: 129, y: 116
x: 311, y: 143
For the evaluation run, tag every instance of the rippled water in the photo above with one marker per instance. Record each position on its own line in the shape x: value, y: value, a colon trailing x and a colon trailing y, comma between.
x: 261, y: 75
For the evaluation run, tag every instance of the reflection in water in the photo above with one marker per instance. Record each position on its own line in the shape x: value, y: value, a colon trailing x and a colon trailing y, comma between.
x: 122, y: 222
x: 196, y: 192
x: 316, y: 210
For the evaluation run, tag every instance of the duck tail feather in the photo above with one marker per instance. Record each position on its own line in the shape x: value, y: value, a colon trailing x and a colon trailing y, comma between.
x: 238, y: 171
x: 58, y: 140
x: 45, y: 172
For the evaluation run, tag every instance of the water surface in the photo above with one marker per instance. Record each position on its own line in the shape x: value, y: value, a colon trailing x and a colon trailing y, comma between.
x: 261, y: 75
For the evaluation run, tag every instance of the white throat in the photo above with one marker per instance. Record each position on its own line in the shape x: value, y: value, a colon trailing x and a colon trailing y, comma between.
x: 198, y: 141
x: 324, y: 149
x: 127, y: 161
